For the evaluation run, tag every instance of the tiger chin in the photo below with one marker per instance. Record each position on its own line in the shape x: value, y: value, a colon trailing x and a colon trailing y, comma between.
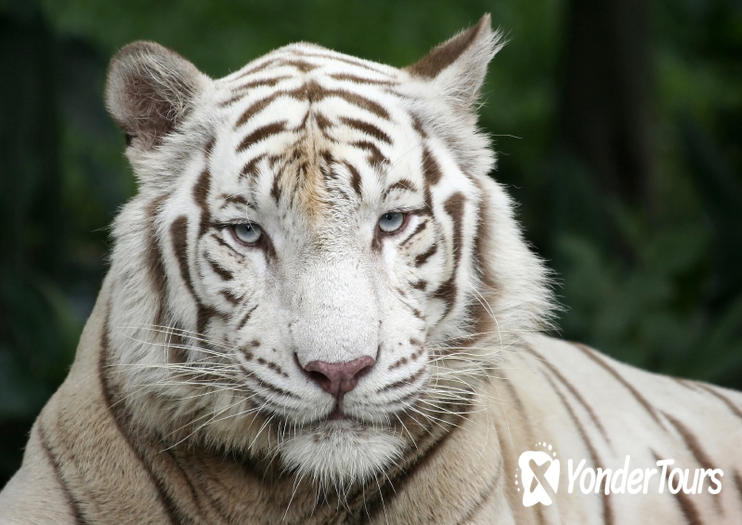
x: 321, y: 309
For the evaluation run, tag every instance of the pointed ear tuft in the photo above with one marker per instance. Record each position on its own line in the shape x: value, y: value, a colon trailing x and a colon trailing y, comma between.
x: 149, y: 91
x: 459, y: 64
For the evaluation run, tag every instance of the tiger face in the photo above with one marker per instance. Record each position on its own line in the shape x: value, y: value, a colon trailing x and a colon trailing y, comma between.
x: 306, y: 271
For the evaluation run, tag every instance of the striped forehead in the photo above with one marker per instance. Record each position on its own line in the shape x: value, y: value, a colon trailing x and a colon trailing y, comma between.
x: 313, y: 118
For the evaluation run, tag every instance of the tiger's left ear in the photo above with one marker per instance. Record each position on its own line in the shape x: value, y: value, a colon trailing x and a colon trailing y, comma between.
x: 149, y: 92
x: 458, y: 65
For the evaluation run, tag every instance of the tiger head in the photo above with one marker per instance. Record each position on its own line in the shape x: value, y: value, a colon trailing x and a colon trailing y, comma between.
x: 317, y: 267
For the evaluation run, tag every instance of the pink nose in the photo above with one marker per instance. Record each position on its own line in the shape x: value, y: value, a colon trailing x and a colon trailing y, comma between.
x: 338, y: 378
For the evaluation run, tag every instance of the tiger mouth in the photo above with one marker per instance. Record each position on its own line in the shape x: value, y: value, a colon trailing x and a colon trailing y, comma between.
x: 337, y: 413
x: 336, y: 417
x: 339, y: 426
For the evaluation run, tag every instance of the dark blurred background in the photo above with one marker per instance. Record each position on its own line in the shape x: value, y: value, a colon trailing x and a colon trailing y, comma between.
x: 617, y: 123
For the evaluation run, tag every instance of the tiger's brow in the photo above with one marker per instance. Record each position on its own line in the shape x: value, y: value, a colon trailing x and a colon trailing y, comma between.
x: 235, y: 200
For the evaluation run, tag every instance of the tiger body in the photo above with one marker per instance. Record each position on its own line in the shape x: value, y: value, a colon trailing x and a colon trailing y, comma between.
x: 320, y: 309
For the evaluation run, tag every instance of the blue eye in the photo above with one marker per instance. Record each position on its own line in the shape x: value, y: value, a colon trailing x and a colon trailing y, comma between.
x: 247, y: 233
x: 392, y: 221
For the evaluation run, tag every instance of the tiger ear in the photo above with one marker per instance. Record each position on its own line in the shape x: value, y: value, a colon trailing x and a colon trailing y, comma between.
x: 458, y: 65
x: 149, y: 91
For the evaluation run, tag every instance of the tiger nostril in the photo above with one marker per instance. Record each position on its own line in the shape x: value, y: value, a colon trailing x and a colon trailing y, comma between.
x: 320, y: 379
x: 340, y: 377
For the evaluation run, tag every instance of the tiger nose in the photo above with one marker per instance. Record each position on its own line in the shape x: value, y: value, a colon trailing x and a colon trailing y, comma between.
x: 338, y: 378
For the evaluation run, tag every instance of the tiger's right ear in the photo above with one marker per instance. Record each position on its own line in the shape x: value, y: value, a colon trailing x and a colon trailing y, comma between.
x: 149, y: 91
x: 458, y: 66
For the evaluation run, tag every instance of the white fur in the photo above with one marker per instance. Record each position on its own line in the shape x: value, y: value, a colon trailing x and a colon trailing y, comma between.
x: 327, y: 296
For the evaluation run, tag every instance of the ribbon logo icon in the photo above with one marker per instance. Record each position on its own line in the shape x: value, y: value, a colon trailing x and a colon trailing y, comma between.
x: 539, y: 475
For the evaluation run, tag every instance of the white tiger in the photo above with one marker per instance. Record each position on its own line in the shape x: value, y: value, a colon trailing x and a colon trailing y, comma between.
x: 320, y: 309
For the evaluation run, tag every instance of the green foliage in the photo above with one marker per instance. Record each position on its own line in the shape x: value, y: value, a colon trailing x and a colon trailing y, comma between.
x: 652, y: 312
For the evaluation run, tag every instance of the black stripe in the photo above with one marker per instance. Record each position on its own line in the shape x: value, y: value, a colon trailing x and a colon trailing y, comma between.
x: 314, y: 92
x: 431, y: 170
x: 607, y: 507
x: 419, y: 285
x: 355, y: 178
x: 403, y: 184
x: 276, y: 186
x: 454, y: 207
x: 402, y: 382
x: 375, y: 156
x: 261, y: 133
x: 685, y: 383
x: 230, y: 297
x: 169, y: 506
x: 520, y: 408
x: 270, y: 364
x: 341, y: 58
x: 266, y: 385
x: 448, y: 290
x: 213, y: 499
x: 74, y: 504
x: 251, y: 168
x: 686, y: 505
x: 201, y: 196
x: 423, y: 257
x: 417, y: 125
x: 367, y: 128
x: 482, y: 319
x: 738, y: 482
x: 208, y: 149
x: 420, y: 227
x: 484, y: 496
x: 242, y: 91
x: 417, y: 313
x: 246, y: 317
x: 257, y: 68
x: 179, y: 234
x: 195, y: 494
x: 361, y: 80
x: 301, y: 65
x: 187, y: 480
x: 634, y: 392
x: 218, y: 269
x: 323, y: 123
x: 721, y: 397
x: 155, y: 264
x: 572, y: 390
x: 506, y: 446
x: 232, y: 199
x: 223, y: 243
x: 255, y: 108
x: 692, y: 444
x: 270, y: 82
x: 394, y: 484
